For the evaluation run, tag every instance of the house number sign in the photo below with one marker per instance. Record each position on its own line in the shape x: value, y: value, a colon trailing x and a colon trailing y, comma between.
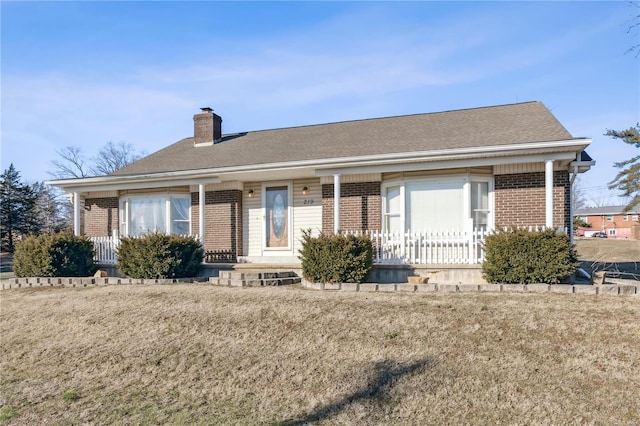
x: 308, y: 202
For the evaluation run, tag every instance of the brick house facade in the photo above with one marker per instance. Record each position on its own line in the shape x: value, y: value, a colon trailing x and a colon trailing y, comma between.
x: 360, y: 210
x: 455, y: 170
x: 612, y: 220
x: 520, y: 199
x: 223, y: 230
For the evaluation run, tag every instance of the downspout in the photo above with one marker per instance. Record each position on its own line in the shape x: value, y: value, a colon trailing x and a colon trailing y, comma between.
x: 573, y: 179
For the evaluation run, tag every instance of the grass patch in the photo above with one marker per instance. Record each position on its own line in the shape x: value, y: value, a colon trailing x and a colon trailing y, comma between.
x: 70, y: 395
x: 289, y: 356
x: 7, y: 413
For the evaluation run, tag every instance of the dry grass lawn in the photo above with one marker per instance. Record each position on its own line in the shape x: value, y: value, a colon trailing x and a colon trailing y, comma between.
x: 198, y: 354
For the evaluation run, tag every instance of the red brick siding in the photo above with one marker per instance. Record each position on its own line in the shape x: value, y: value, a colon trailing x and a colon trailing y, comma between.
x: 520, y: 199
x: 600, y: 221
x: 223, y: 220
x: 100, y: 216
x: 360, y: 206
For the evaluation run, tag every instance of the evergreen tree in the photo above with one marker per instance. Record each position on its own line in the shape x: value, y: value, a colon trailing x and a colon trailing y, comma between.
x: 628, y: 178
x: 17, y: 208
x: 51, y: 208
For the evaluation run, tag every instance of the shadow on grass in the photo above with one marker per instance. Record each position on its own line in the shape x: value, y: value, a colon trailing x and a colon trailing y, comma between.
x: 387, y: 374
x: 625, y: 270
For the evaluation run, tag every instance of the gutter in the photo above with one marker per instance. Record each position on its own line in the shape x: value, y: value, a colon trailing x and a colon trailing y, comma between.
x: 184, y: 177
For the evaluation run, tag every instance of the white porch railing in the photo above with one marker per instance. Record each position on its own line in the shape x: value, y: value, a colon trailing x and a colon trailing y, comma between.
x: 105, y: 249
x: 434, y: 247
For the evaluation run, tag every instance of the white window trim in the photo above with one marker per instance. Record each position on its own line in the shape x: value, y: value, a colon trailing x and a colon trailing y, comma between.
x: 125, y: 201
x: 277, y: 251
x: 465, y: 179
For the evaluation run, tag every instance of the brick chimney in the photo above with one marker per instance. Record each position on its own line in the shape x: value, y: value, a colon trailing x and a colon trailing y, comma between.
x: 207, y: 127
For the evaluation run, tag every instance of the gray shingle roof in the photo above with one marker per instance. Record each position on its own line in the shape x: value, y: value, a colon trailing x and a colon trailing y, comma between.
x: 478, y: 127
x: 606, y: 210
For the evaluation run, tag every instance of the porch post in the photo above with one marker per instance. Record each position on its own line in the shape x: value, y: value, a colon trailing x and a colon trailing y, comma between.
x: 548, y: 186
x: 76, y: 213
x: 201, y: 213
x: 336, y: 203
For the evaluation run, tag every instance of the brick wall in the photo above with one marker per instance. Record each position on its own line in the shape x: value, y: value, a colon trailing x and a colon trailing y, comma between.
x: 601, y: 222
x: 100, y: 216
x: 223, y: 220
x: 520, y: 199
x: 360, y: 206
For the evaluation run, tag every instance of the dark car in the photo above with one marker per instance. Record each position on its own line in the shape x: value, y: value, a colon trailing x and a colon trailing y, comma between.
x: 600, y: 234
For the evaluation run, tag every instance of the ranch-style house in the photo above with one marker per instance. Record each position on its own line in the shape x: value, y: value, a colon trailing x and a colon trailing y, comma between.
x: 425, y: 187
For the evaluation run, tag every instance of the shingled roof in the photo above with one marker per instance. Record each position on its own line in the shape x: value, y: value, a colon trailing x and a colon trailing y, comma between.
x: 469, y: 128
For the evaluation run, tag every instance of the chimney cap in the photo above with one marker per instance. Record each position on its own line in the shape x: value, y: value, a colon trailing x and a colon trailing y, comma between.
x: 206, y: 109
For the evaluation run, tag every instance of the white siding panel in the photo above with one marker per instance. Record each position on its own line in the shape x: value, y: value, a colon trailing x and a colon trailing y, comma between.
x: 508, y: 169
x: 252, y: 218
x: 365, y: 177
x: 307, y: 209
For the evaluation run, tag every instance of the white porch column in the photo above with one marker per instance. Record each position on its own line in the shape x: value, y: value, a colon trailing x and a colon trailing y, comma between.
x: 548, y: 187
x: 201, y: 213
x: 336, y: 203
x: 76, y: 213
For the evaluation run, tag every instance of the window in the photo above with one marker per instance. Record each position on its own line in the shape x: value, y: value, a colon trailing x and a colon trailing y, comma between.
x: 609, y: 218
x: 625, y: 218
x: 392, y: 212
x: 480, y: 204
x: 634, y: 217
x: 437, y: 204
x: 612, y: 232
x: 585, y: 219
x: 162, y: 213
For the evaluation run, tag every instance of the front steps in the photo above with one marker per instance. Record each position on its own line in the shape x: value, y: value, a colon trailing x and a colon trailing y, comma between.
x: 254, y: 278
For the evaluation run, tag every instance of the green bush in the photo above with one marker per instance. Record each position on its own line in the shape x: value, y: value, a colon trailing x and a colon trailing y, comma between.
x: 160, y: 256
x: 519, y: 256
x: 336, y: 258
x: 59, y: 254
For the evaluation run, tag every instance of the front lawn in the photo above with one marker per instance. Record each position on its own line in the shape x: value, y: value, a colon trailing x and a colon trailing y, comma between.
x: 199, y: 354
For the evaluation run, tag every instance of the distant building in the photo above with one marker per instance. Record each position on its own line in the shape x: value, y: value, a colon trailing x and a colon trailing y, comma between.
x: 611, y: 220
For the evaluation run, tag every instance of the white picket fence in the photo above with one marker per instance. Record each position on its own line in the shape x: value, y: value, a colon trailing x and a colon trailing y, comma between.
x: 105, y: 249
x: 427, y: 247
x: 411, y: 247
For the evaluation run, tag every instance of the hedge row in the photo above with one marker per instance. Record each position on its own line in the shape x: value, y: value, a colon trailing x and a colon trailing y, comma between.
x: 336, y: 258
x: 54, y: 255
x: 160, y: 256
x: 518, y: 256
x: 66, y: 255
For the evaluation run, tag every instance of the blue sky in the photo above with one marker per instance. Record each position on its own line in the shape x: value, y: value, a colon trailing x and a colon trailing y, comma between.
x: 86, y: 73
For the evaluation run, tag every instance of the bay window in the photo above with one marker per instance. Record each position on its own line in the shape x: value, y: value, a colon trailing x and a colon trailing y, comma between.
x: 451, y: 203
x: 161, y: 213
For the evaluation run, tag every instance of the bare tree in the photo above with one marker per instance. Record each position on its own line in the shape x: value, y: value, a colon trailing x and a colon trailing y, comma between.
x: 578, y: 195
x: 70, y: 165
x: 113, y: 157
x: 633, y: 27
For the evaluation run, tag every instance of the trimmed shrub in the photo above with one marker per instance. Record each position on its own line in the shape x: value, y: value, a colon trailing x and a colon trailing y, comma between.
x: 160, y: 256
x: 520, y: 256
x: 54, y: 255
x: 336, y: 258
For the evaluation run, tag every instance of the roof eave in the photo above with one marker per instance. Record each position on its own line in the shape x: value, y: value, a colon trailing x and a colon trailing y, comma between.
x: 322, y: 166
